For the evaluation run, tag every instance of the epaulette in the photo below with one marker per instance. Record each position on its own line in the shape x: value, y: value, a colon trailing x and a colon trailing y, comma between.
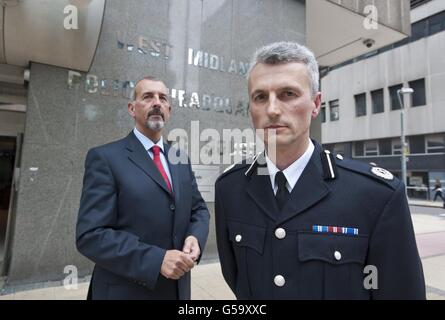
x: 233, y: 168
x: 329, y: 166
x: 249, y: 163
x: 368, y: 169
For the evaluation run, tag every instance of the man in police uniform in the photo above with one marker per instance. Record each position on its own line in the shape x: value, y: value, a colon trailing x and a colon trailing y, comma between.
x: 297, y: 222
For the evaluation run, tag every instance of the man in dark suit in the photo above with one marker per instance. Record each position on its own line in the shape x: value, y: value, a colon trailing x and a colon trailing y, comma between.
x: 142, y: 220
x: 297, y: 222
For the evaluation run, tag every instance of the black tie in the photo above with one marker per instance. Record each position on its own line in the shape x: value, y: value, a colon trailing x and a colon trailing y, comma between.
x: 282, y: 192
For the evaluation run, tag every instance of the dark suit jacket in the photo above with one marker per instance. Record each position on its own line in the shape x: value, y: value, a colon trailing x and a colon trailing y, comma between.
x: 128, y: 219
x: 258, y: 244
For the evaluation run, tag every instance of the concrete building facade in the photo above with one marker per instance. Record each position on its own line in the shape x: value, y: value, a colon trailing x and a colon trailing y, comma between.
x: 67, y: 71
x: 361, y: 114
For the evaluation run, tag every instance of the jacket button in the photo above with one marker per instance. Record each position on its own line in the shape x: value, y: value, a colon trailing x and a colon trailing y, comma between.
x: 279, y: 281
x: 172, y: 207
x: 337, y: 255
x: 280, y: 233
x: 238, y: 238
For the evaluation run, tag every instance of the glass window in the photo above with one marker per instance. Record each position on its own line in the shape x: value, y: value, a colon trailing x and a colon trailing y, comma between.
x: 334, y: 110
x: 323, y: 112
x: 435, y: 143
x: 371, y: 148
x: 418, y: 30
x: 385, y: 147
x: 339, y: 148
x: 436, y: 23
x: 394, y: 100
x: 419, y: 98
x: 358, y: 148
x: 396, y: 145
x: 377, y: 101
x: 417, y: 144
x: 360, y: 104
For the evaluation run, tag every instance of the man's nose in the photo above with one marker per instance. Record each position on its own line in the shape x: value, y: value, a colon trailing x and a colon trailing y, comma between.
x: 156, y: 101
x: 273, y: 109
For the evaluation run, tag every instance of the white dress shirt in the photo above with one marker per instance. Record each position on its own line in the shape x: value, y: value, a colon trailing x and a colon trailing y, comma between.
x: 147, y: 143
x: 293, y: 172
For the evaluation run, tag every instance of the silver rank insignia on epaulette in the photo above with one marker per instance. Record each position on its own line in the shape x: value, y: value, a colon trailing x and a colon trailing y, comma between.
x: 382, y: 173
x: 253, y: 165
x: 229, y: 167
x: 329, y: 165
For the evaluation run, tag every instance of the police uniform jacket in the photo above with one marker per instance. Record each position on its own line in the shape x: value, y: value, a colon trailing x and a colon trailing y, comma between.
x: 344, y: 233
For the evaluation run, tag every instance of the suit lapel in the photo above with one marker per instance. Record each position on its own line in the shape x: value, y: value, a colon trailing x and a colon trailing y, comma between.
x: 139, y: 157
x: 309, y: 189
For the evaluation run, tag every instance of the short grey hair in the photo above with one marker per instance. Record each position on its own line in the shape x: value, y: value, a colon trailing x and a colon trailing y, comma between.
x: 151, y: 78
x: 286, y: 52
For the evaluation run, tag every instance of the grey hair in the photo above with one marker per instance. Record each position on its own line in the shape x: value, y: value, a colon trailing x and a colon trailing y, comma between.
x: 285, y: 52
x: 151, y: 78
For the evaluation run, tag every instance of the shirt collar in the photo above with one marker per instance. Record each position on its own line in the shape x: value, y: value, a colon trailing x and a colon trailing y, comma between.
x: 146, y: 142
x: 294, y: 171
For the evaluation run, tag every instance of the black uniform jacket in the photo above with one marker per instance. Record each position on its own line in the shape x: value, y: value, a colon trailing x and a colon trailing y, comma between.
x: 345, y: 233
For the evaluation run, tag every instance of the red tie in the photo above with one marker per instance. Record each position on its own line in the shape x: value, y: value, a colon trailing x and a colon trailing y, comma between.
x: 157, y: 160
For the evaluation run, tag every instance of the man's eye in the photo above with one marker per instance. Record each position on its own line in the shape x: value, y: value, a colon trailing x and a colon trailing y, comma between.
x: 259, y: 97
x: 289, y: 94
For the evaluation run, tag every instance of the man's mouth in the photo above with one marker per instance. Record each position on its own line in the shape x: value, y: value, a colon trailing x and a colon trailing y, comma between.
x: 156, y: 117
x: 275, y: 126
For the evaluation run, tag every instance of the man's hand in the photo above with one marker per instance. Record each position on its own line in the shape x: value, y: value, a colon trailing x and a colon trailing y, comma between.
x: 176, y: 264
x: 191, y: 247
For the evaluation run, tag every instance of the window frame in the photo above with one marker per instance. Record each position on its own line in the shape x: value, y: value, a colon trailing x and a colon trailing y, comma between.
x: 367, y: 143
x: 393, y: 149
x: 410, y: 84
x: 355, y: 149
x: 373, y: 100
x: 323, y: 112
x: 391, y: 106
x: 427, y: 149
x: 359, y: 108
x: 337, y: 106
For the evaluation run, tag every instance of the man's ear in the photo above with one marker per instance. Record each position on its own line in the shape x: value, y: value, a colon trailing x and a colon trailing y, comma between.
x: 317, y: 105
x: 131, y: 109
x: 249, y: 114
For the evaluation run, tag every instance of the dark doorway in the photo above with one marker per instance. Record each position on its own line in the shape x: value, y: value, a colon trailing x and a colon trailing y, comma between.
x: 8, y: 147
